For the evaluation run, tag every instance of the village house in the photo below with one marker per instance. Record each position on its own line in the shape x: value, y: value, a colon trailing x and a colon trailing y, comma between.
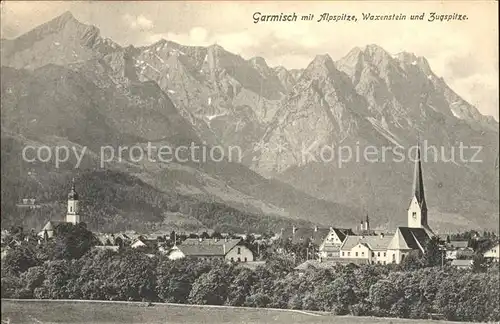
x: 493, y: 254
x: 462, y: 264
x: 314, y: 264
x: 150, y: 245
x: 315, y: 235
x: 47, y: 231
x: 458, y: 250
x: 226, y: 249
x: 4, y: 251
x: 114, y: 248
x: 118, y: 239
x: 365, y: 249
x: 28, y: 203
x: 330, y: 247
x: 406, y: 240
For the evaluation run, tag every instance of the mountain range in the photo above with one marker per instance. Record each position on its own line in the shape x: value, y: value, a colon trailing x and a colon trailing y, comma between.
x: 64, y: 84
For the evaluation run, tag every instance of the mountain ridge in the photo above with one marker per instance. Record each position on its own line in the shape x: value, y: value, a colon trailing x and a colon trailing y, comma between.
x: 369, y: 96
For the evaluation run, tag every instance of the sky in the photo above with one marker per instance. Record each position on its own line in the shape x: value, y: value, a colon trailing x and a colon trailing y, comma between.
x: 464, y: 53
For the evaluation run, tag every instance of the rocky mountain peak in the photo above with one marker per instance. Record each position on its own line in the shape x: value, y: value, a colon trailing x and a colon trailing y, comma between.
x: 286, y: 78
x: 65, y: 17
x: 216, y: 48
x: 279, y: 69
x: 352, y: 63
x: 376, y: 55
x: 63, y: 21
x: 374, y: 49
x: 354, y: 55
x: 259, y: 61
x: 61, y: 40
x: 320, y: 65
x: 372, y: 62
x: 260, y: 64
x: 322, y: 59
x: 407, y: 58
x: 52, y: 26
x: 160, y: 42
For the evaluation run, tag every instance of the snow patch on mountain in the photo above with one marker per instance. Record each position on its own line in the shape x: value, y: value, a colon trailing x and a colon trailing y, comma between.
x: 384, y: 131
x: 211, y: 117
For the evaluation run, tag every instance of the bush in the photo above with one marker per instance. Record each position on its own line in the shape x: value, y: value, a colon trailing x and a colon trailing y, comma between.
x: 340, y: 309
x: 257, y: 300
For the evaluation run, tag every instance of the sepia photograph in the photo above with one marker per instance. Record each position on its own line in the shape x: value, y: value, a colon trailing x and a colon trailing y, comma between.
x: 210, y: 162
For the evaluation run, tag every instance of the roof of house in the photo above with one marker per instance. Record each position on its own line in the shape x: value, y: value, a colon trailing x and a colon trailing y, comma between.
x: 139, y: 241
x: 305, y: 265
x: 316, y: 264
x: 375, y: 242
x: 408, y: 238
x: 493, y: 248
x: 105, y: 239
x: 316, y: 235
x: 457, y: 244
x: 352, y: 260
x: 209, y: 247
x: 122, y: 236
x: 252, y: 264
x: 342, y: 232
x: 51, y: 225
x: 459, y: 262
x: 150, y: 237
x: 329, y: 247
x: 106, y: 247
x: 48, y: 227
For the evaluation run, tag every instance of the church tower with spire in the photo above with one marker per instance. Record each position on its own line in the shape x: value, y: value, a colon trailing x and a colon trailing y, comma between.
x: 417, y: 210
x: 72, y: 215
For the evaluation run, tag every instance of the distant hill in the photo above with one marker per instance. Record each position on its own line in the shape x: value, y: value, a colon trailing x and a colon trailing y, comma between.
x: 50, y: 106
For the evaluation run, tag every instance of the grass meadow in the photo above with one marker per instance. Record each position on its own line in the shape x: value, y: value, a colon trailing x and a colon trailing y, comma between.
x: 39, y: 311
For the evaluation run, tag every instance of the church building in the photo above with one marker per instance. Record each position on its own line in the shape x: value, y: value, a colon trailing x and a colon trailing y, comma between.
x: 415, y: 235
x: 72, y: 214
x: 366, y: 248
x: 417, y: 210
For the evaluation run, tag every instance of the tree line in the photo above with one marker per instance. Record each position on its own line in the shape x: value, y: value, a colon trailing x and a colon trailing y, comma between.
x: 67, y: 268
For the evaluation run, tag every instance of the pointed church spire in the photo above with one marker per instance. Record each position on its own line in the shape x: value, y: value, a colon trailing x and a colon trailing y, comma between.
x: 73, y: 195
x: 418, y: 181
x: 72, y: 215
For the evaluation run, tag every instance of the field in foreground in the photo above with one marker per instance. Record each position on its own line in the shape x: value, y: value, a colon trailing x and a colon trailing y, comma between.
x: 15, y: 311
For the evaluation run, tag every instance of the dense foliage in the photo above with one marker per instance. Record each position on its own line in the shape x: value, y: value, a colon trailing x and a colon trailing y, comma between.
x: 410, y: 291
